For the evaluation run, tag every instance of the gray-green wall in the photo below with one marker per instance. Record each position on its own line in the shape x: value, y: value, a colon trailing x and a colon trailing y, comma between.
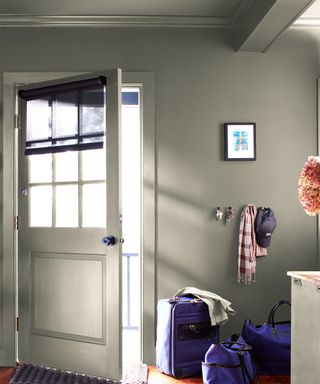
x: 200, y: 83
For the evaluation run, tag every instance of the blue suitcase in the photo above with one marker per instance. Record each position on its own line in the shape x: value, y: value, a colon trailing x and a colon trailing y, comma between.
x: 184, y: 334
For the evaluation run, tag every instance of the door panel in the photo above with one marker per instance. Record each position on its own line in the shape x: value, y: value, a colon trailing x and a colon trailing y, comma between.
x: 69, y: 282
x: 82, y: 297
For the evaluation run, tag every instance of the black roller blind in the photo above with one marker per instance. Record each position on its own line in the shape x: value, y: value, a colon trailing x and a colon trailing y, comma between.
x: 65, y: 117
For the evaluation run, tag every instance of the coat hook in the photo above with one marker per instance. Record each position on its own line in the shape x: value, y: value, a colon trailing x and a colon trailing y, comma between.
x: 219, y: 214
x: 229, y: 215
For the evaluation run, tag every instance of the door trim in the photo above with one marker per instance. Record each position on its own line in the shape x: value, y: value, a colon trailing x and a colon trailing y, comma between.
x: 149, y: 241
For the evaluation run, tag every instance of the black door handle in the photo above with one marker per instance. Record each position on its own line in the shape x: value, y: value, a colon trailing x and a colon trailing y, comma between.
x: 109, y: 240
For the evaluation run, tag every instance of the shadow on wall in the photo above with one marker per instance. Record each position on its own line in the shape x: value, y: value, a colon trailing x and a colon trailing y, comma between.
x: 193, y: 248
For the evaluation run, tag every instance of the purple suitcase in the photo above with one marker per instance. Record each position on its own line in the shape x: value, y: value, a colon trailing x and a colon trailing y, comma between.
x: 184, y: 334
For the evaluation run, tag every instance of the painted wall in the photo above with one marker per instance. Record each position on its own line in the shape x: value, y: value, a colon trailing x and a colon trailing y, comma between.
x: 201, y: 83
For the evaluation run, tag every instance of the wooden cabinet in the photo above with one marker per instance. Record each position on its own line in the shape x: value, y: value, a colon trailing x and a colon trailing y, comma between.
x: 305, y: 333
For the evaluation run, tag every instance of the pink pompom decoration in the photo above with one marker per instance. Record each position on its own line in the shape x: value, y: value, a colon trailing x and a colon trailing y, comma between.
x: 309, y: 186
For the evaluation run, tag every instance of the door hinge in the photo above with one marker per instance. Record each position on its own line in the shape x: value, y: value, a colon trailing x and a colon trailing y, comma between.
x: 16, y: 121
x: 16, y: 223
x: 17, y: 324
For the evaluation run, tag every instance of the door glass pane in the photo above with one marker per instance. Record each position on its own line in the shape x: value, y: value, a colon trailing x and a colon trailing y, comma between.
x: 40, y: 168
x: 67, y: 206
x: 94, y: 165
x: 130, y: 120
x: 134, y: 289
x: 131, y: 223
x: 94, y: 205
x: 40, y: 206
x: 65, y: 114
x: 92, y: 110
x: 66, y: 166
x: 125, y: 298
x: 38, y: 119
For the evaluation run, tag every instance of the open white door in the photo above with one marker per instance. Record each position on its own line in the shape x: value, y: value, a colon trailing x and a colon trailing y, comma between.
x: 69, y: 280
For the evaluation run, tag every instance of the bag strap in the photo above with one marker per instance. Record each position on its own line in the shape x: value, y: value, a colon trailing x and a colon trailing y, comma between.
x: 244, y: 369
x: 241, y: 349
x: 221, y: 365
x: 273, y: 311
x: 230, y: 345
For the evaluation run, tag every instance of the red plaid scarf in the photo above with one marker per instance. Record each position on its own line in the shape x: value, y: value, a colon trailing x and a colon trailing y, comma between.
x: 248, y: 247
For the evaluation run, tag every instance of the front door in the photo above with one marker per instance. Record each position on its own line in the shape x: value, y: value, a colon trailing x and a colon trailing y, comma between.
x: 68, y: 201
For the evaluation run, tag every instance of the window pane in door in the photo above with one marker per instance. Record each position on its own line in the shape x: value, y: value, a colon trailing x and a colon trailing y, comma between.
x: 38, y: 119
x: 67, y: 206
x: 40, y: 168
x: 40, y: 206
x: 94, y: 205
x: 66, y: 166
x: 92, y: 110
x: 94, y: 165
x: 65, y: 113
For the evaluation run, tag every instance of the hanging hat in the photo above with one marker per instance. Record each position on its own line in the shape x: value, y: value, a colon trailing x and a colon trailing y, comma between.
x: 264, y: 226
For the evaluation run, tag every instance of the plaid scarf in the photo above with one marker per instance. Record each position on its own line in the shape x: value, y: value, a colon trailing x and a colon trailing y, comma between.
x: 248, y: 247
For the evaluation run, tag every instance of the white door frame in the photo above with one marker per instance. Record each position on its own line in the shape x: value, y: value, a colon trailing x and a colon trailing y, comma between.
x: 148, y: 241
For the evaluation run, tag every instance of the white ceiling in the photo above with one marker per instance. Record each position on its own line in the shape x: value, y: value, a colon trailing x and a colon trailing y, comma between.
x: 313, y: 10
x: 310, y: 18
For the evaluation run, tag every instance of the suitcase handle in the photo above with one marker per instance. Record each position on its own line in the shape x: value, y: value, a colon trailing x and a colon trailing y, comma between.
x: 191, y: 298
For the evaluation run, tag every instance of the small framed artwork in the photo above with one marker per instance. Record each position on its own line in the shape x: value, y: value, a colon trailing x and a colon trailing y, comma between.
x: 240, y: 141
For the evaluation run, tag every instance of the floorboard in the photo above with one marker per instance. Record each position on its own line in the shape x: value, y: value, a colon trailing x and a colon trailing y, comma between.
x: 155, y: 377
x: 6, y: 374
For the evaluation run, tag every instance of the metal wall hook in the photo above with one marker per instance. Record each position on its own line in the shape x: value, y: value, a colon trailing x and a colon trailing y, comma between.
x: 229, y: 215
x: 219, y: 214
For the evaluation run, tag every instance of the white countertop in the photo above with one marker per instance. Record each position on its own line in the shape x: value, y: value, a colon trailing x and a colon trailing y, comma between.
x: 312, y: 276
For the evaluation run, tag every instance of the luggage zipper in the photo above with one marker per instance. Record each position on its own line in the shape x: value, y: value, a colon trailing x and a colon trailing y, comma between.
x: 172, y: 301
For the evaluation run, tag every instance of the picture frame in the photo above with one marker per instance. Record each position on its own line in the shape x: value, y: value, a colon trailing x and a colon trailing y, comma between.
x: 240, y: 141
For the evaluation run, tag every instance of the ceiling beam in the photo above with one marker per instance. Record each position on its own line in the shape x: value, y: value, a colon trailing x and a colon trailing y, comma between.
x: 264, y: 21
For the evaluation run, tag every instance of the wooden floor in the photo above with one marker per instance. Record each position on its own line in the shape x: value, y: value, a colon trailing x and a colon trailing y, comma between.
x: 5, y: 375
x: 155, y: 377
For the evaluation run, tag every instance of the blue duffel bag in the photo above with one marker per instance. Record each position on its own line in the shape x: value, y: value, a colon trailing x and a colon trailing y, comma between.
x: 229, y: 362
x: 271, y: 343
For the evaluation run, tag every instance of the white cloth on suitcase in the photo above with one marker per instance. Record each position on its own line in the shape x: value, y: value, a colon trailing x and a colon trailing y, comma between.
x: 219, y: 308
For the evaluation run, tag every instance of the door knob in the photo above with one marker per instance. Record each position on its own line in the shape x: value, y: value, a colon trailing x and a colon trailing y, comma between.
x: 109, y: 240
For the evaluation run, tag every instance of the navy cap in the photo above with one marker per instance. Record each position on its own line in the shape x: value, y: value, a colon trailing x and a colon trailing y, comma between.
x: 264, y: 226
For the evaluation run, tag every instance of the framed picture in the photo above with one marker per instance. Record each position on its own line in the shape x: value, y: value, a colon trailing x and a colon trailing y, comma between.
x: 240, y: 141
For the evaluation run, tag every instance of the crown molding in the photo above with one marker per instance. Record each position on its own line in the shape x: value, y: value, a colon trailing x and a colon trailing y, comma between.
x: 8, y: 21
